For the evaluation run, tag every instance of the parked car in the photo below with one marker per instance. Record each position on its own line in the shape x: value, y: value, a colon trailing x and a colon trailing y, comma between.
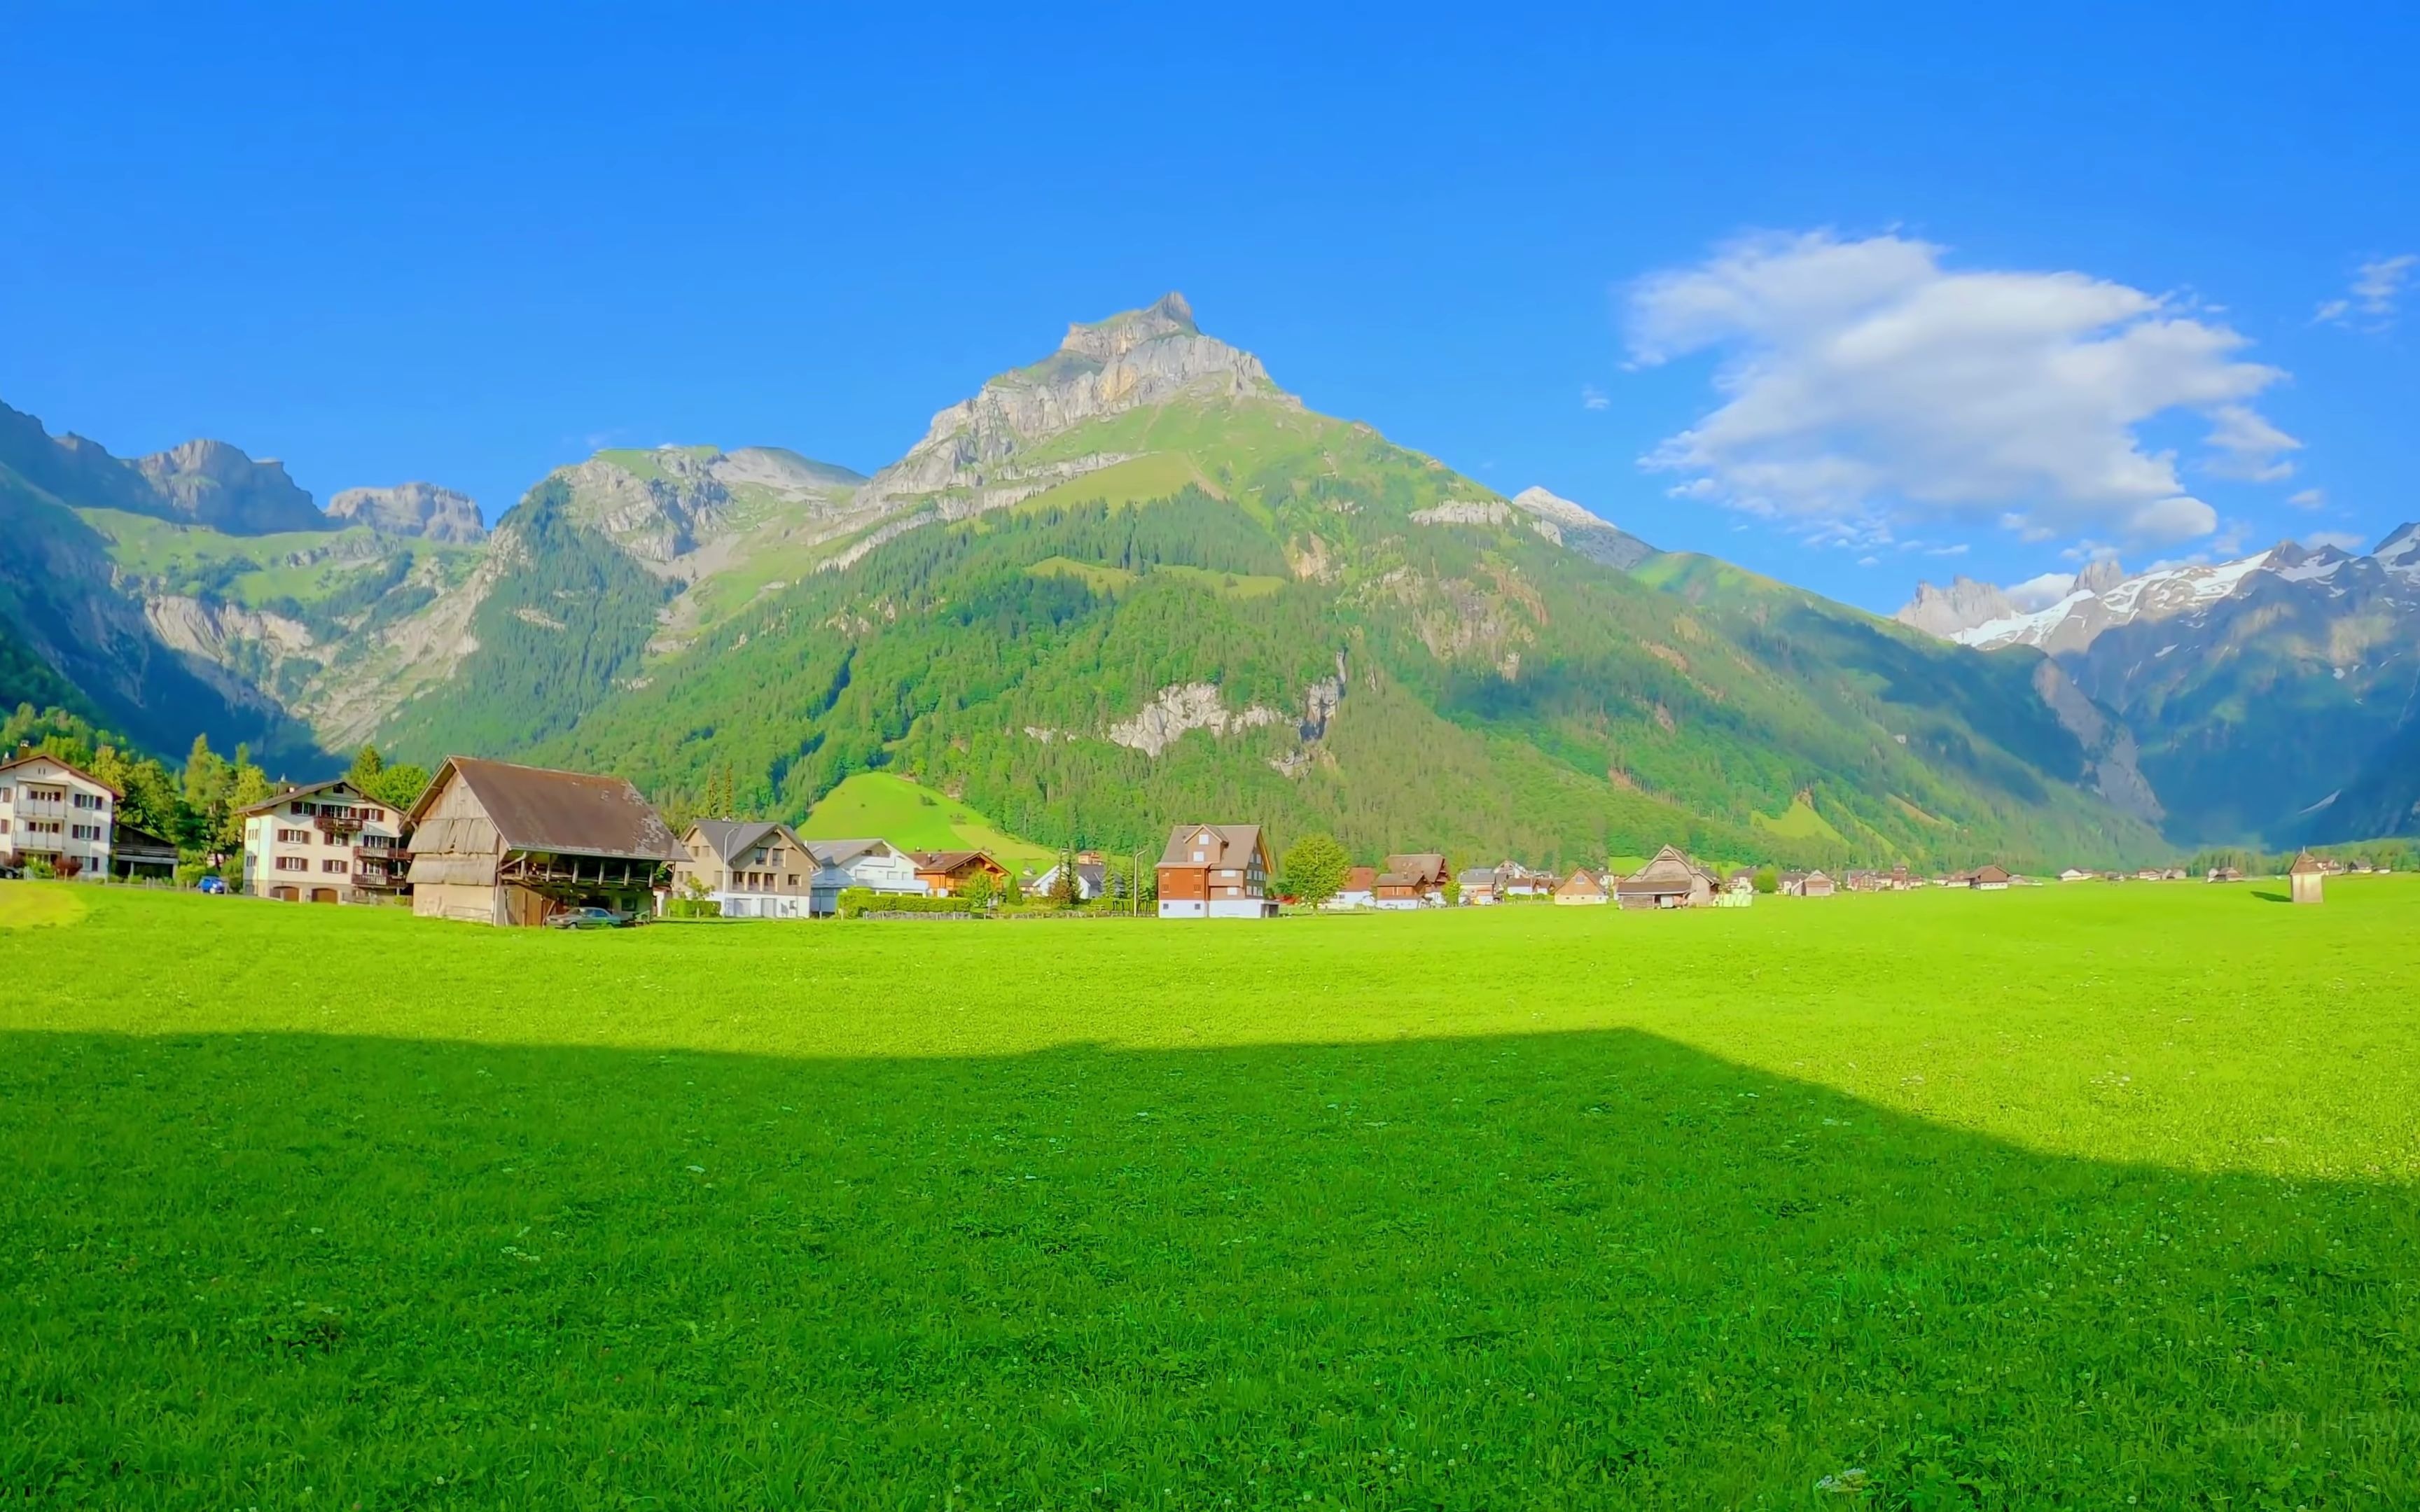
x: 214, y: 885
x: 591, y: 918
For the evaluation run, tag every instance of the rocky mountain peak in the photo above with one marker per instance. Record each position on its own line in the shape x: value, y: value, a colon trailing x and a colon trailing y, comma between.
x: 971, y: 454
x: 1106, y: 341
x: 2401, y: 550
x: 1962, y: 605
x: 2100, y: 575
x: 421, y: 509
x: 213, y: 483
x: 1572, y: 525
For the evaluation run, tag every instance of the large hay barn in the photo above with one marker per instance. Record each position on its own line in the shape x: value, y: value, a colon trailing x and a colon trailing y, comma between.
x: 495, y: 843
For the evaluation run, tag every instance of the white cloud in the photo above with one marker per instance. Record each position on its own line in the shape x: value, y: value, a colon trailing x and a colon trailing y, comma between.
x: 2040, y: 593
x: 2249, y: 446
x: 1864, y: 384
x: 2341, y: 540
x: 2378, y: 288
x: 2308, y: 499
x: 1592, y: 397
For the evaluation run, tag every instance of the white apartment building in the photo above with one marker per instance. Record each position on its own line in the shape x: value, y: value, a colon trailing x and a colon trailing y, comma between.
x: 54, y: 813
x: 327, y: 844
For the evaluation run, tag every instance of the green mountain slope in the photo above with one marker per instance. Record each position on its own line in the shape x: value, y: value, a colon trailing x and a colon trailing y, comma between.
x: 915, y: 817
x: 1316, y: 628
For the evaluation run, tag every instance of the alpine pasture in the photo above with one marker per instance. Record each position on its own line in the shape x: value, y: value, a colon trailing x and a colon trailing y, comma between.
x: 2089, y: 1196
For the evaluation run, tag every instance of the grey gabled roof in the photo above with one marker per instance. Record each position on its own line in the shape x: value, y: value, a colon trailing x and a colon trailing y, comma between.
x: 842, y: 852
x: 728, y: 838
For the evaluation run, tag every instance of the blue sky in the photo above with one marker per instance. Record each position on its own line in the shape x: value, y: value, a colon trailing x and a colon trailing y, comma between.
x: 465, y: 247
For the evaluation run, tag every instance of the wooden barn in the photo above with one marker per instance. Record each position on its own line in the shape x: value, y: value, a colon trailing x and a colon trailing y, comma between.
x: 1672, y: 880
x: 495, y: 843
x: 2305, y: 878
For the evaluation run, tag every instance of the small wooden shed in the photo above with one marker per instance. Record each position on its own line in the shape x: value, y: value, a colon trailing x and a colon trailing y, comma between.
x: 2305, y: 877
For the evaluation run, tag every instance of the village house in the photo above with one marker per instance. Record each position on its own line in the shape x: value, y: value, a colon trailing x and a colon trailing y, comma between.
x: 326, y: 843
x: 2225, y: 873
x: 752, y: 867
x: 1092, y: 878
x: 1901, y: 881
x: 1669, y: 880
x: 2075, y: 874
x: 1361, y: 889
x: 1513, y: 880
x: 496, y: 843
x: 1216, y: 872
x: 1991, y: 879
x: 1478, y: 883
x: 54, y: 814
x: 1580, y: 889
x: 1815, y: 884
x: 1415, y: 881
x: 875, y: 865
x: 945, y: 874
x: 2305, y: 878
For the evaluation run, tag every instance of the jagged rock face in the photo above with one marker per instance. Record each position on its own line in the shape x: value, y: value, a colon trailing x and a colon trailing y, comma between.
x: 200, y: 483
x: 669, y: 506
x: 1570, y: 525
x: 2101, y: 576
x: 1183, y: 707
x: 421, y: 509
x: 2108, y: 745
x: 1142, y: 357
x: 211, y: 483
x: 1962, y: 605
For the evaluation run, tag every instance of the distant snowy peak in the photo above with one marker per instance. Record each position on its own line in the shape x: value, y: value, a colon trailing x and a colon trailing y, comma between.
x: 2104, y: 598
x: 2399, y: 554
x: 2073, y: 622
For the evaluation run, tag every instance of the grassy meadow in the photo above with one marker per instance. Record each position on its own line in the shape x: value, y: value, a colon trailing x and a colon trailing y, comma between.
x: 2081, y: 1197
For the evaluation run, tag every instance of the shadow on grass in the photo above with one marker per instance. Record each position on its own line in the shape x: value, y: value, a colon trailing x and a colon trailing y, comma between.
x: 2268, y: 897
x: 1581, y: 1269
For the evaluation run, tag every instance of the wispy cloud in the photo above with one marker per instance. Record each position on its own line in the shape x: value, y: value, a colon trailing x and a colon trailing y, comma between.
x: 1864, y: 383
x: 2308, y: 499
x: 1592, y: 397
x: 2377, y: 291
x: 2043, y: 591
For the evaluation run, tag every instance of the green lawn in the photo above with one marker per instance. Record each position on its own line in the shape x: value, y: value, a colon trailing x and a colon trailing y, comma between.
x: 917, y: 818
x: 2064, y: 1196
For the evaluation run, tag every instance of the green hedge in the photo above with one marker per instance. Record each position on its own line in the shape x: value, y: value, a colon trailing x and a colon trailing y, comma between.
x: 692, y: 908
x: 856, y: 901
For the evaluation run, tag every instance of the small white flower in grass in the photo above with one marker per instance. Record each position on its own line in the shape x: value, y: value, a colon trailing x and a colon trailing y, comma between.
x: 699, y: 1169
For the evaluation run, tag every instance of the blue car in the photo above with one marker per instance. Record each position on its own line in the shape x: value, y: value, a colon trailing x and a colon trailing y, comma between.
x: 214, y: 884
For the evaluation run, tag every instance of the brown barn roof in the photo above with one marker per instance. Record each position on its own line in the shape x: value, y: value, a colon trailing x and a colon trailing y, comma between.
x: 1233, y: 848
x: 947, y: 861
x: 560, y: 813
x: 1419, y: 867
x: 1994, y: 873
x: 1669, y: 872
x: 2307, y: 865
x: 1361, y: 879
x: 1580, y: 884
